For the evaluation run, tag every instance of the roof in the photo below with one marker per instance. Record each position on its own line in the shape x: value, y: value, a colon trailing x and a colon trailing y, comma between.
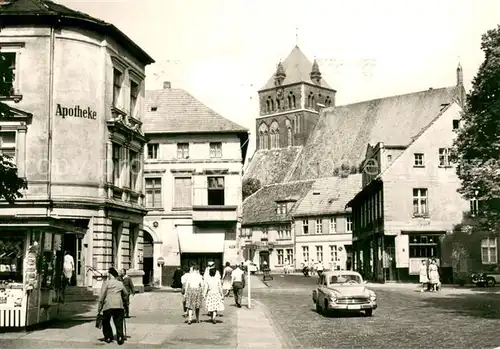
x: 329, y: 195
x: 342, y: 133
x: 261, y: 206
x: 21, y: 12
x: 271, y: 166
x: 297, y: 69
x: 179, y: 112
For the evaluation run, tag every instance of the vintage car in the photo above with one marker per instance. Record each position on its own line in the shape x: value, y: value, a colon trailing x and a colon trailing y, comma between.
x: 486, y: 279
x: 343, y: 291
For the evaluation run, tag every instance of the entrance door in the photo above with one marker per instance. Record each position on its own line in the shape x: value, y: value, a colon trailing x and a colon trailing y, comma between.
x: 74, y: 245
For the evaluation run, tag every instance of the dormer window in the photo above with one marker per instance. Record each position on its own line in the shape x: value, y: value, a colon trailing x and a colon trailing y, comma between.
x: 282, y: 208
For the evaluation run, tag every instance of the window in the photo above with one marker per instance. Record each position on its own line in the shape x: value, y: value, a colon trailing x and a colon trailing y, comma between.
x: 305, y: 226
x: 282, y: 209
x: 153, y: 192
x: 474, y: 207
x: 154, y: 108
x: 389, y: 158
x: 305, y: 253
x: 333, y: 225
x: 116, y: 164
x: 319, y: 254
x: 8, y: 144
x: 319, y: 226
x: 456, y: 124
x: 215, y: 190
x: 153, y: 150
x: 264, y: 236
x: 284, y: 232
x: 489, y: 251
x: 333, y: 253
x: 183, y: 192
x: 419, y: 160
x: 135, y: 167
x: 134, y: 92
x: 117, y: 86
x: 444, y: 157
x: 289, y: 255
x: 281, y: 256
x: 8, y: 77
x: 348, y: 224
x: 423, y: 246
x: 420, y: 202
x: 215, y: 149
x: 182, y: 150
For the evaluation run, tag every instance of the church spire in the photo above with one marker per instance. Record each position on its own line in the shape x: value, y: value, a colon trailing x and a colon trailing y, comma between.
x: 280, y: 75
x: 315, y: 73
x: 460, y: 85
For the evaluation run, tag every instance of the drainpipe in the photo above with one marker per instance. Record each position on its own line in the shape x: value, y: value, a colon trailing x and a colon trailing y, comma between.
x: 51, y: 112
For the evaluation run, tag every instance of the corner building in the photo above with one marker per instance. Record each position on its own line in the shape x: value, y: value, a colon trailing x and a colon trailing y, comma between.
x: 77, y: 101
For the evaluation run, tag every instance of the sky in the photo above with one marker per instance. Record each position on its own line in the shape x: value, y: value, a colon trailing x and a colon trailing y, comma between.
x: 224, y: 51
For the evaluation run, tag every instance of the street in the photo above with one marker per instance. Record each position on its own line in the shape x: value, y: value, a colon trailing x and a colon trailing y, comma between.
x: 452, y: 318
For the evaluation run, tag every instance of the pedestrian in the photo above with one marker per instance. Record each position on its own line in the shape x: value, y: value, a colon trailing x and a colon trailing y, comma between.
x: 319, y: 268
x: 226, y: 279
x: 423, y: 277
x: 211, y: 265
x: 433, y: 275
x: 129, y: 286
x: 194, y: 294
x: 184, y: 278
x: 68, y: 269
x: 110, y: 305
x: 285, y: 267
x: 238, y: 282
x: 311, y: 267
x: 212, y: 292
x: 176, y: 284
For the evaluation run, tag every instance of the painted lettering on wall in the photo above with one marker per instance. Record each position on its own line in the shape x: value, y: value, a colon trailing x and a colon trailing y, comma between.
x: 76, y: 112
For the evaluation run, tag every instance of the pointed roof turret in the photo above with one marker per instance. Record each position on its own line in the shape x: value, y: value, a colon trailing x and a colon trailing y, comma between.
x: 298, y: 68
x: 280, y: 75
x: 315, y: 73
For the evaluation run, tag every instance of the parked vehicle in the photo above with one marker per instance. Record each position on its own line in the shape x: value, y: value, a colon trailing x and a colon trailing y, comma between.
x: 486, y: 279
x: 251, y: 266
x: 343, y: 291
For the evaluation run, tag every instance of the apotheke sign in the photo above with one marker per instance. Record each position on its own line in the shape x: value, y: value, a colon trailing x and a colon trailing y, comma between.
x: 76, y: 112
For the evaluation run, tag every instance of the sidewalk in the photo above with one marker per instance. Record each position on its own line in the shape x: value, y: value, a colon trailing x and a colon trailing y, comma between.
x: 445, y: 289
x: 157, y: 322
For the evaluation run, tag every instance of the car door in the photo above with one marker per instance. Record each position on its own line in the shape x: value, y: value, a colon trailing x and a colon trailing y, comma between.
x: 322, y: 289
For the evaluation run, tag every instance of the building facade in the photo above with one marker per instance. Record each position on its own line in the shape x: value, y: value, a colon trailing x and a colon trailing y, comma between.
x: 193, y: 174
x: 409, y: 205
x: 75, y: 133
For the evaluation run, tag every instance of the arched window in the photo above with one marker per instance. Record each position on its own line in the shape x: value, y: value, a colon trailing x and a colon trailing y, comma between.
x: 289, y: 133
x: 275, y: 135
x: 313, y: 102
x: 268, y: 106
x: 278, y: 104
x: 263, y: 135
x: 290, y: 106
x: 293, y: 101
x: 272, y: 105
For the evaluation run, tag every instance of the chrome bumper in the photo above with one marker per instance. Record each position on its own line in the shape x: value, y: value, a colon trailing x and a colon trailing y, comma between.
x: 353, y: 306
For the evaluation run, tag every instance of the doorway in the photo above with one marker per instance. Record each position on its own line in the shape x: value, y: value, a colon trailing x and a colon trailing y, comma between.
x: 201, y: 260
x: 74, y: 245
x: 148, y: 259
x: 389, y: 260
x: 264, y: 257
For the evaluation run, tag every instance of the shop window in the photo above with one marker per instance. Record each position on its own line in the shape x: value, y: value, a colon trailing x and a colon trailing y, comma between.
x: 423, y: 246
x: 489, y: 251
x: 305, y: 254
x: 183, y: 192
x: 182, y: 150
x: 216, y: 191
x: 153, y: 150
x: 116, y: 164
x: 135, y: 167
x: 153, y: 193
x: 215, y: 150
x: 8, y: 144
x: 11, y: 258
x: 281, y: 256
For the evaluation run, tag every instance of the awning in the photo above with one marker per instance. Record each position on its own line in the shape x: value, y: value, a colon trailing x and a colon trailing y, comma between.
x: 190, y: 242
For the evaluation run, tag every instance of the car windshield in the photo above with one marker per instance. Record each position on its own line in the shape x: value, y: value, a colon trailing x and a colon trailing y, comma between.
x: 342, y: 279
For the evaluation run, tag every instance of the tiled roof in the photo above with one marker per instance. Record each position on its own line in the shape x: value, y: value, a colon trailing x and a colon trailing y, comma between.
x: 261, y: 206
x: 297, y: 69
x: 329, y: 196
x: 342, y: 133
x: 179, y: 112
x: 46, y: 11
x: 271, y: 166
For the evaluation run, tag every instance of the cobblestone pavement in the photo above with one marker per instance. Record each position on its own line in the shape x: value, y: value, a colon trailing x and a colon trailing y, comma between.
x: 156, y: 322
x: 452, y: 318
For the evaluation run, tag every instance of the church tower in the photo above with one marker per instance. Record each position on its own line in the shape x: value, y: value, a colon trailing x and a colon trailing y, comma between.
x: 290, y: 102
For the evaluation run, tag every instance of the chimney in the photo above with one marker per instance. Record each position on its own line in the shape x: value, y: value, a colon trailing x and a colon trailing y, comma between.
x: 166, y: 85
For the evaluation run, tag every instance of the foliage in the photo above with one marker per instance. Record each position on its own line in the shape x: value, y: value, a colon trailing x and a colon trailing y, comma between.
x: 250, y: 186
x: 10, y: 183
x: 477, y: 146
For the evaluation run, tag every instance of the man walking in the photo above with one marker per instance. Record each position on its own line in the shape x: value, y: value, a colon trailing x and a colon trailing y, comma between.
x: 238, y: 282
x: 129, y: 287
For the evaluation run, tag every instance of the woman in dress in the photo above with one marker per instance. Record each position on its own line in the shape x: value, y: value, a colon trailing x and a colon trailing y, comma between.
x: 214, y: 300
x: 184, y: 279
x: 424, y: 280
x: 433, y: 275
x: 226, y: 279
x: 194, y: 293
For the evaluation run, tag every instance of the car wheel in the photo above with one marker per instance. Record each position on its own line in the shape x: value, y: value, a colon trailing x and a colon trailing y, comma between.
x: 318, y: 308
x: 490, y: 282
x: 325, y: 309
x: 369, y: 312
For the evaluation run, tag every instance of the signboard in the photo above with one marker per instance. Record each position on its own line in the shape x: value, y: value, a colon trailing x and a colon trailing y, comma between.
x: 76, y: 112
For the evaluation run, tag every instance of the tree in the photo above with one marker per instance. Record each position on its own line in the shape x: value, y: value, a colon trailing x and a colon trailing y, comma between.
x: 10, y: 183
x: 250, y: 186
x: 476, y: 149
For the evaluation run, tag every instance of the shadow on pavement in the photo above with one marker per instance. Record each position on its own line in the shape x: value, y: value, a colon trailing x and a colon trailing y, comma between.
x: 474, y: 305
